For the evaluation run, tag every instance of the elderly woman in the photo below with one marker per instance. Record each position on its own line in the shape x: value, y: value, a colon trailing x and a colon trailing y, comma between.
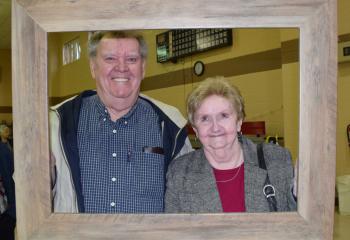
x: 225, y: 175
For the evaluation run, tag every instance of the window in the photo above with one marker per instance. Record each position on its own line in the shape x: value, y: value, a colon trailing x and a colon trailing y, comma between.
x: 71, y: 51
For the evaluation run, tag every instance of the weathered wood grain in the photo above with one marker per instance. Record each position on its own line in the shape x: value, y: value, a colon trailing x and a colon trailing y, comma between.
x: 316, y: 19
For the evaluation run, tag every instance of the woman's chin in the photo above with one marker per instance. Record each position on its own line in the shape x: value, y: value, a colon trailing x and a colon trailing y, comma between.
x: 218, y: 146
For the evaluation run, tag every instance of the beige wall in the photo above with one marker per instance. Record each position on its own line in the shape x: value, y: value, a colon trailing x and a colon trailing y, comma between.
x: 290, y: 93
x: 343, y: 17
x: 343, y: 149
x: 245, y: 42
x: 263, y: 99
x: 71, y: 78
x: 343, y: 116
x: 5, y: 86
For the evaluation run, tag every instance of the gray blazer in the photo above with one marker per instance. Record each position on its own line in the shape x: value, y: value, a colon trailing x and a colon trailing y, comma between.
x: 191, y: 185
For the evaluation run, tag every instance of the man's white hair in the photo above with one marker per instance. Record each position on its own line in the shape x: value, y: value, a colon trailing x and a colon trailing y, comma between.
x: 2, y: 128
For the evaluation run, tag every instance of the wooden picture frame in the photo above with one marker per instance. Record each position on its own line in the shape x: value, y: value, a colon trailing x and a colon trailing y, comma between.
x: 316, y: 20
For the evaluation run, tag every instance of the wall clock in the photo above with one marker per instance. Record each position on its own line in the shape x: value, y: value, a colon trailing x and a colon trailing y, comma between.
x: 198, y: 68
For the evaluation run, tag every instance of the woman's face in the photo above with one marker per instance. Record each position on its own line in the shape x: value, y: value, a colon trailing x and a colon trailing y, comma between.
x: 216, y: 123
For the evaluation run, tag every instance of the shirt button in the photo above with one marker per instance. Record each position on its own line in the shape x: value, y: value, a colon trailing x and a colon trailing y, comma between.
x: 104, y: 119
x: 126, y: 122
x: 114, y: 131
x: 114, y: 154
x: 112, y: 204
x: 114, y: 179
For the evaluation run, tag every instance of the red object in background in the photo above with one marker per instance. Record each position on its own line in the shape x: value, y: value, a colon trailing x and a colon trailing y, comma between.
x: 190, y: 130
x: 253, y: 128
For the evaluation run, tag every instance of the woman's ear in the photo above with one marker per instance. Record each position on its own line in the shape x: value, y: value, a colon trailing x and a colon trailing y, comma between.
x: 195, y: 131
x: 239, y: 125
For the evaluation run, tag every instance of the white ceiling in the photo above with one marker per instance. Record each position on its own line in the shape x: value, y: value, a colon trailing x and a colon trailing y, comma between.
x: 5, y: 24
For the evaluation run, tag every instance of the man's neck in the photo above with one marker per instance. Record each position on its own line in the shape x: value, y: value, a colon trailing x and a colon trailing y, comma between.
x: 118, y: 108
x: 115, y: 114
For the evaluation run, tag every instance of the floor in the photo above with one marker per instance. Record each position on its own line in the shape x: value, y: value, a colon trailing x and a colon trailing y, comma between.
x: 341, y: 226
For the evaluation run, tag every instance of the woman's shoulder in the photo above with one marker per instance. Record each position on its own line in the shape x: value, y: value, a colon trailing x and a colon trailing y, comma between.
x: 275, y: 149
x: 275, y: 155
x: 188, y: 160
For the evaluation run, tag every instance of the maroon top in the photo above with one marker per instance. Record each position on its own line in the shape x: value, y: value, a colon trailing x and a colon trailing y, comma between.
x: 230, y: 184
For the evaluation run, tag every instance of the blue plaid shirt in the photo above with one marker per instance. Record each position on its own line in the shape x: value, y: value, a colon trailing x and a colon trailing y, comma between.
x: 116, y: 175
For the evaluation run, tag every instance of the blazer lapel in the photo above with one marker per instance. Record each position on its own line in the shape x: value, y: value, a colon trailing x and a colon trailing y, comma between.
x: 201, y: 182
x: 202, y: 191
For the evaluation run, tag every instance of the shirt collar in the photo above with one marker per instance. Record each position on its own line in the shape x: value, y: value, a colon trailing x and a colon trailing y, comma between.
x: 102, y: 110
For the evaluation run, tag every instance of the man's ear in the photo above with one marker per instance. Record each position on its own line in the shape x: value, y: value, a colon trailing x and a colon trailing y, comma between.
x: 143, y: 68
x: 92, y: 67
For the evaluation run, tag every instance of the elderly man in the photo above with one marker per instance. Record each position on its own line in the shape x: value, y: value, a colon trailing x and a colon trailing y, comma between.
x: 112, y: 147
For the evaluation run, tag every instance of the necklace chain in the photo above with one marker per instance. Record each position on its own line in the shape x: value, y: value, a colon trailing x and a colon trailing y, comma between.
x: 230, y: 179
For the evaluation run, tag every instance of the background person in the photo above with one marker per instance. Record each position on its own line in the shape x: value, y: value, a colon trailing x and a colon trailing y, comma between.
x: 112, y: 147
x: 8, y: 218
x: 224, y: 176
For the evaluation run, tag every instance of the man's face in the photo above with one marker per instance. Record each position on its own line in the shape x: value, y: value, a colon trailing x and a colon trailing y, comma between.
x: 118, y: 70
x: 6, y: 133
